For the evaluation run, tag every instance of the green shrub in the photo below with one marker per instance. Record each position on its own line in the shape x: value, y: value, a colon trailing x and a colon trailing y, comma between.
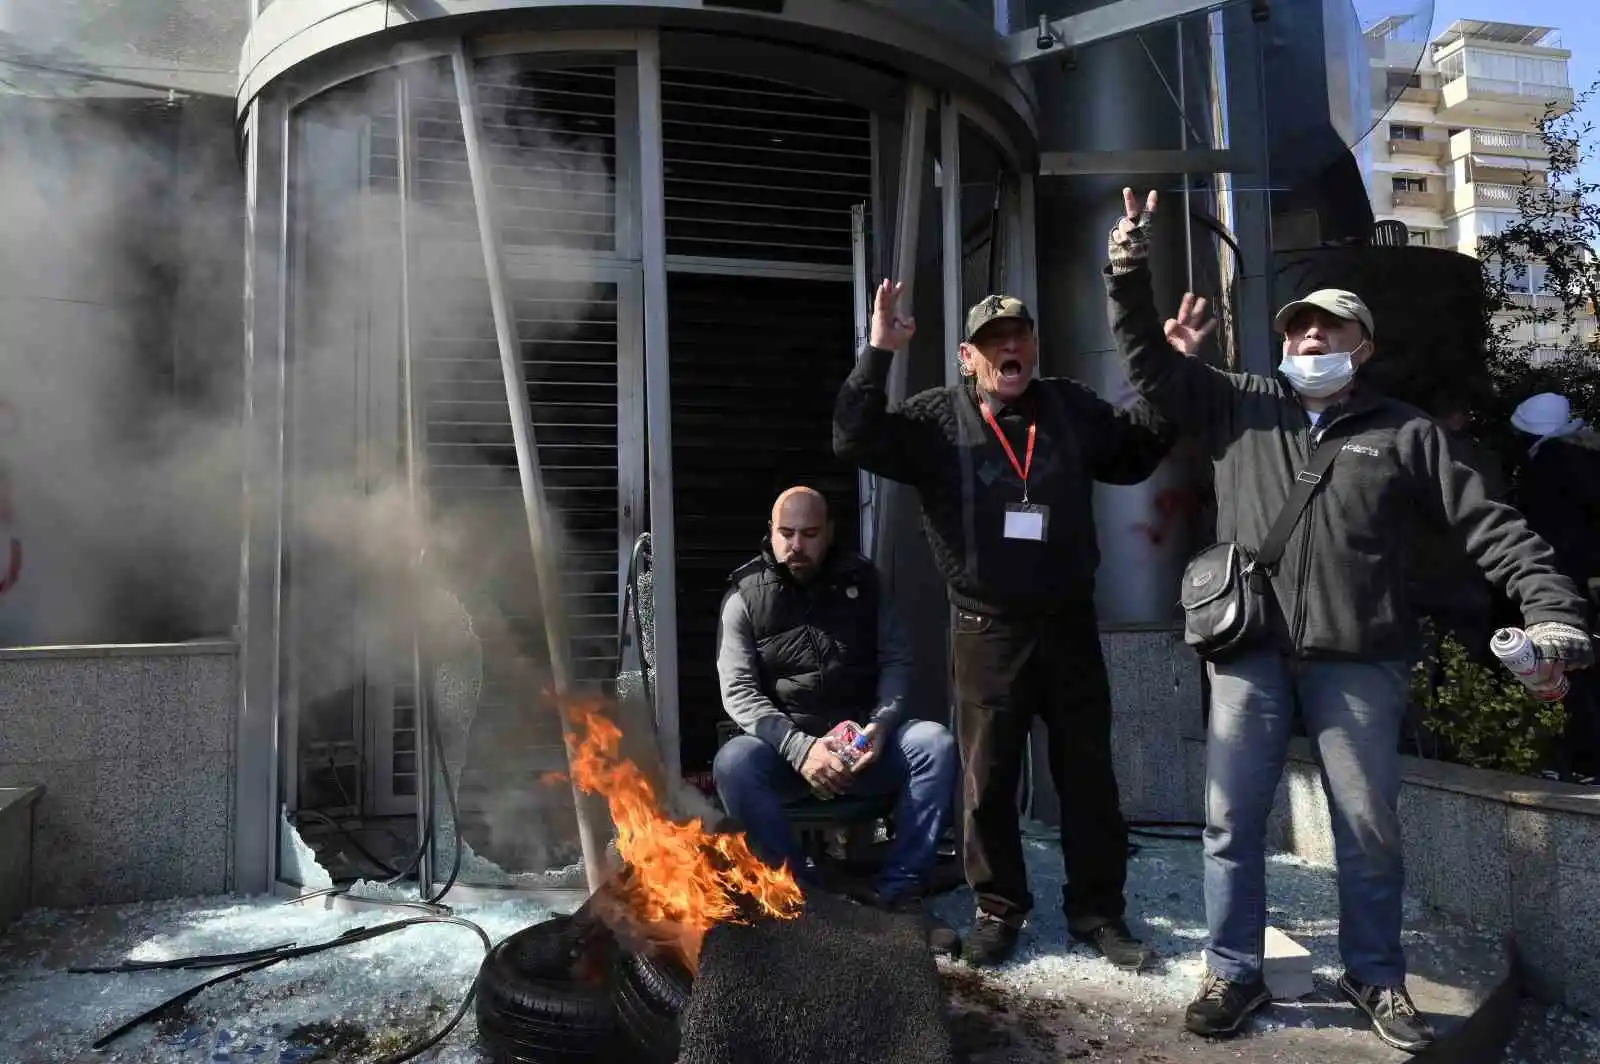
x: 1483, y: 714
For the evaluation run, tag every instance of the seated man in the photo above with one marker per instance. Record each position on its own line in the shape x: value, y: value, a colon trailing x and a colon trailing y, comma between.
x: 806, y: 642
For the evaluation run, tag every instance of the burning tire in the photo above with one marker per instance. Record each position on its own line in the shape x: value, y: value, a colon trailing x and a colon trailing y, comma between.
x: 535, y: 1004
x: 650, y: 994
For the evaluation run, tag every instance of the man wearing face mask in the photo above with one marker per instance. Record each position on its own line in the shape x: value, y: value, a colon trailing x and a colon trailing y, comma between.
x: 1004, y: 466
x: 1340, y: 629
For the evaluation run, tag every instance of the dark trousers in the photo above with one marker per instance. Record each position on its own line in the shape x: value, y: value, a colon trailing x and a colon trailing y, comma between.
x: 1008, y: 671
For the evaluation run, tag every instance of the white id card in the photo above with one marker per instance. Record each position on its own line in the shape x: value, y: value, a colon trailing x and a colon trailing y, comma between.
x: 1026, y: 521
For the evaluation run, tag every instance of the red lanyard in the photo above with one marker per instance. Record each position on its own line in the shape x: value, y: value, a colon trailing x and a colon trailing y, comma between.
x: 1024, y: 466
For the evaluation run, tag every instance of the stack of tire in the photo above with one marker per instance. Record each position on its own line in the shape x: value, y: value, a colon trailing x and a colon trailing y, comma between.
x: 565, y: 992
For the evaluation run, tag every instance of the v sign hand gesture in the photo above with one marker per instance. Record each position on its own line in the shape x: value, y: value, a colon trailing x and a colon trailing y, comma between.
x: 1129, y: 245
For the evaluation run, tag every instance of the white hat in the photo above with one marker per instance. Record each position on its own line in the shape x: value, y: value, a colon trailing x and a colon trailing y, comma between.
x: 1542, y: 414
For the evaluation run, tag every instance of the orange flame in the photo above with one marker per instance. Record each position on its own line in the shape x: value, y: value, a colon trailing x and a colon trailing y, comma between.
x: 684, y: 880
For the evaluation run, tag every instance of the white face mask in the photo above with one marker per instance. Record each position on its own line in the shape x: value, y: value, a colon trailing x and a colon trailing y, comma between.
x: 1319, y: 376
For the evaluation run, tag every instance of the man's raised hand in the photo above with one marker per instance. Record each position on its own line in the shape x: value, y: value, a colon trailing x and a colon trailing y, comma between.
x: 1129, y: 245
x: 1190, y: 328
x: 891, y: 330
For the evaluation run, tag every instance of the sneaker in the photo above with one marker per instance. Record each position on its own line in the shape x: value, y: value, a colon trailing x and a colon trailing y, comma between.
x: 991, y: 941
x: 1394, y: 1016
x: 1113, y: 941
x: 942, y: 938
x: 1222, y: 1007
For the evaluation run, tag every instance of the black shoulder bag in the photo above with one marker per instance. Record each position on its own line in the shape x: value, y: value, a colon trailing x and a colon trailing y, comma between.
x: 1226, y: 593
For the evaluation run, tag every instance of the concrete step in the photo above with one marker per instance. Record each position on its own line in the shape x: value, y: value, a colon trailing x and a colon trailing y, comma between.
x: 1057, y: 1002
x: 16, y: 850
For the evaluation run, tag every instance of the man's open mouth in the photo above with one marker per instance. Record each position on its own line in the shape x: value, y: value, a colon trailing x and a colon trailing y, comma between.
x: 1010, y: 370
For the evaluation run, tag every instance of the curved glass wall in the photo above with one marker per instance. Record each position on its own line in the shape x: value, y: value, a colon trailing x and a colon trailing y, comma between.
x: 664, y: 246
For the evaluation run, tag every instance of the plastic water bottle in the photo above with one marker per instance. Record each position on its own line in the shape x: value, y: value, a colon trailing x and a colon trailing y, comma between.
x: 848, y: 741
x: 1517, y: 653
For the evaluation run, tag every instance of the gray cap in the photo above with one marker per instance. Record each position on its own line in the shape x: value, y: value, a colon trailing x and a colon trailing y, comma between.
x: 993, y: 308
x: 1335, y: 301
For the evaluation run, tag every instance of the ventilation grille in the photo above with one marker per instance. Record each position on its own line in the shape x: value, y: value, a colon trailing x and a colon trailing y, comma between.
x: 757, y: 169
x: 748, y: 420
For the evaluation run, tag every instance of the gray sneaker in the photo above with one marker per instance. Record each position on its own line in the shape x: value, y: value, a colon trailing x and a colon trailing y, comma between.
x: 1394, y: 1016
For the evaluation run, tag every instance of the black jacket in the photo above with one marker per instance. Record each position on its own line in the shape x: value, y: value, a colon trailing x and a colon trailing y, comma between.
x: 1342, y: 582
x: 1558, y: 490
x: 817, y: 642
x: 938, y: 442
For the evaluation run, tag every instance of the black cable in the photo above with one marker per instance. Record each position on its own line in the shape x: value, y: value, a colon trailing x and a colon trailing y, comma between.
x: 429, y: 902
x: 216, y: 960
x: 349, y: 836
x: 348, y: 938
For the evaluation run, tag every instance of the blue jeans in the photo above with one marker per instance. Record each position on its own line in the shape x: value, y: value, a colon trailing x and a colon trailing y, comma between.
x: 918, y: 763
x: 1353, y: 713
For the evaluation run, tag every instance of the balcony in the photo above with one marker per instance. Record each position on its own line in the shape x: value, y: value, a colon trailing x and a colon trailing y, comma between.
x: 1496, y: 142
x: 1419, y: 94
x: 1470, y: 100
x: 1430, y: 148
x: 1501, y: 196
x: 1429, y: 200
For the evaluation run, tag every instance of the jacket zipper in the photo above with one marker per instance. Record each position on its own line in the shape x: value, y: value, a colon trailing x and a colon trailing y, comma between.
x: 816, y: 649
x: 1298, y: 631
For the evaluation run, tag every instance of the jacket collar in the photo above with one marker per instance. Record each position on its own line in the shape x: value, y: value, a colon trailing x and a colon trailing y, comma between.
x: 835, y: 563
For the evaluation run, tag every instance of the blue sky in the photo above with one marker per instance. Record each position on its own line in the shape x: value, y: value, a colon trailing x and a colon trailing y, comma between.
x: 1580, y: 34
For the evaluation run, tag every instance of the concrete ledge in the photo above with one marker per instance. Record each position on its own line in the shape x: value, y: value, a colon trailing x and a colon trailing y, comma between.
x: 120, y: 650
x: 136, y: 749
x: 16, y: 851
x: 1512, y: 854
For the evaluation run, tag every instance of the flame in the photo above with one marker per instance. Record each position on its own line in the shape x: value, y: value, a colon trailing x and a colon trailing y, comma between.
x: 682, y: 880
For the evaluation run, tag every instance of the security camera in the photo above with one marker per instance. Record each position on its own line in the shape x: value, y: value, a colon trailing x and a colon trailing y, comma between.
x: 1260, y: 10
x: 1047, y: 37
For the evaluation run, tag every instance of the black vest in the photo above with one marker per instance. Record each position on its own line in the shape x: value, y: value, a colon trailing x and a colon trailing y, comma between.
x: 817, y: 643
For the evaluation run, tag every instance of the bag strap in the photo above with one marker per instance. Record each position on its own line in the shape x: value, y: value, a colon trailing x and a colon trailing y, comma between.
x: 1306, y: 483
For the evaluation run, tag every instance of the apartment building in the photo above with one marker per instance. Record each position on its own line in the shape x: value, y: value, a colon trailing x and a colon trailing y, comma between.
x: 1451, y: 155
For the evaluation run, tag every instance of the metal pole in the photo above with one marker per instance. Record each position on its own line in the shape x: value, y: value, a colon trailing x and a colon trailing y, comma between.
x: 866, y: 482
x: 658, y: 410
x: 908, y: 219
x: 1183, y: 145
x: 533, y: 498
x: 950, y: 229
x: 908, y: 212
x: 413, y: 434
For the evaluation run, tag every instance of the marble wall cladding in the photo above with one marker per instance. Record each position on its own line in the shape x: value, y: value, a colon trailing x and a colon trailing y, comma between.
x: 1156, y: 699
x: 135, y: 749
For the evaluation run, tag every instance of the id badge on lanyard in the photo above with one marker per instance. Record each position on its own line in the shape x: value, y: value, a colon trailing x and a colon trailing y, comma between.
x: 1023, y: 520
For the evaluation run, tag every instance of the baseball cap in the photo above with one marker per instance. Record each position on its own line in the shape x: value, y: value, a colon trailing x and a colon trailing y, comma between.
x: 993, y: 308
x: 1335, y: 301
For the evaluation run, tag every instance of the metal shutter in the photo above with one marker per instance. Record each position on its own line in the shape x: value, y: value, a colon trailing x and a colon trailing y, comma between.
x: 756, y: 364
x: 758, y: 169
x: 551, y: 134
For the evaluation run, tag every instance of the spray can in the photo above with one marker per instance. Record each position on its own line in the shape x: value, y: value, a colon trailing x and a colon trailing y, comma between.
x: 1518, y: 654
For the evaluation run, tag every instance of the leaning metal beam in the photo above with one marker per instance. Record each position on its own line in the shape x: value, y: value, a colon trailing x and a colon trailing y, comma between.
x: 540, y: 534
x: 950, y: 228
x: 1097, y: 24
x: 1145, y: 161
